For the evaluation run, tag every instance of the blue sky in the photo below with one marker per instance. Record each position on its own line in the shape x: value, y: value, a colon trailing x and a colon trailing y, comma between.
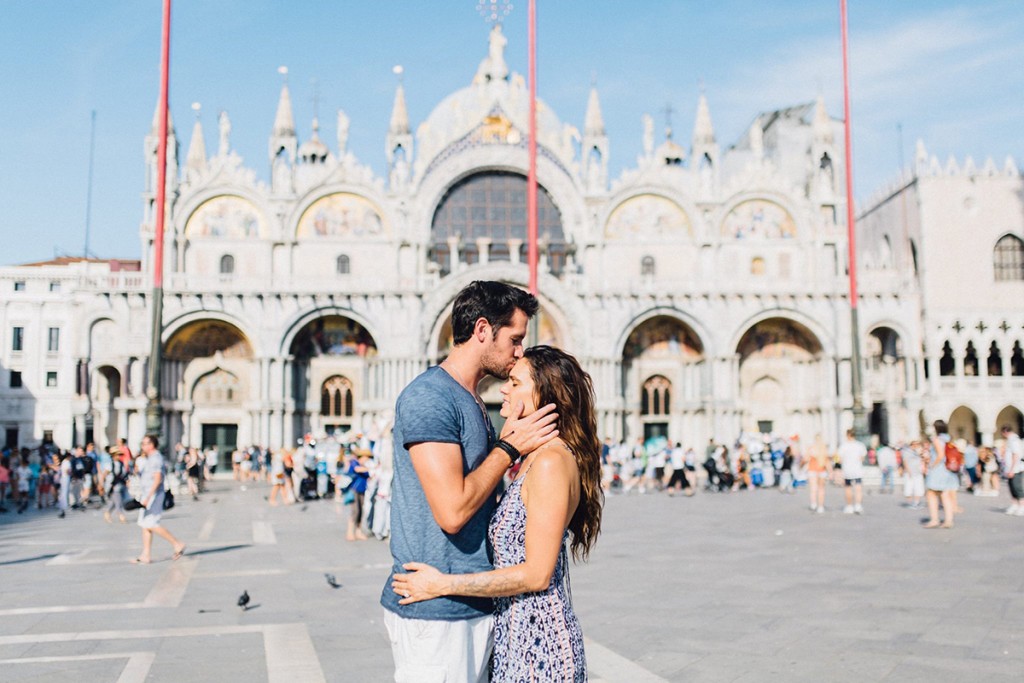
x: 947, y: 72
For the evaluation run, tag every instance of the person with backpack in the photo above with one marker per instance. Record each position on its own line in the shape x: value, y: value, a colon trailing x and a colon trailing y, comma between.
x: 77, y: 483
x: 940, y: 479
x: 117, y: 489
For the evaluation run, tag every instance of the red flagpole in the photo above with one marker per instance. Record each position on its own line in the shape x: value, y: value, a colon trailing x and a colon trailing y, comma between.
x: 161, y: 150
x: 154, y: 410
x: 531, y: 178
x: 859, y: 422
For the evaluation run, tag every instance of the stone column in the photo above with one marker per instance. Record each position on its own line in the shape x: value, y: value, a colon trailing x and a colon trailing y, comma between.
x: 514, y: 246
x: 483, y: 248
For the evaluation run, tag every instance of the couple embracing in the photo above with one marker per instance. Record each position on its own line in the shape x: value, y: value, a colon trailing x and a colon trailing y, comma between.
x: 479, y: 588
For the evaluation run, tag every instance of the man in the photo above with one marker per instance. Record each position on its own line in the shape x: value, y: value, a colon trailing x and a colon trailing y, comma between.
x: 78, y: 472
x: 447, y: 465
x: 152, y: 472
x: 851, y: 459
x: 1013, y: 469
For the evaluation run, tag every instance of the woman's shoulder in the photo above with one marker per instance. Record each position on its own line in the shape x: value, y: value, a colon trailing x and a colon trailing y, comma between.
x: 553, y: 457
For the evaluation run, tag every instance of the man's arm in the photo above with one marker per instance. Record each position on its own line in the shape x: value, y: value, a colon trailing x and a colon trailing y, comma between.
x: 453, y: 498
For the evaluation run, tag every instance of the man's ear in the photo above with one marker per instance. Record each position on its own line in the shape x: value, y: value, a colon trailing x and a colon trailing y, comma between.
x: 482, y: 329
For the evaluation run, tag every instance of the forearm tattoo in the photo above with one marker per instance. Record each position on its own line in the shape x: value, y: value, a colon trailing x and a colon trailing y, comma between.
x: 488, y: 584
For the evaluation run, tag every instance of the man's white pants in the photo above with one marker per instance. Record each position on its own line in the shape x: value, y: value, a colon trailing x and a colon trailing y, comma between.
x: 428, y: 651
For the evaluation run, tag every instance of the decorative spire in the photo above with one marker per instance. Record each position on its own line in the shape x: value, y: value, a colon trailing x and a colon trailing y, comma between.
x: 284, y: 121
x: 155, y: 128
x: 822, y: 121
x: 703, y: 130
x: 224, y: 130
x: 593, y: 123
x: 399, y: 113
x: 282, y: 137
x: 195, y: 160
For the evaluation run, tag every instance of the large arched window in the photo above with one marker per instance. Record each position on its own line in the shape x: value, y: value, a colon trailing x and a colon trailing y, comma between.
x: 492, y: 205
x: 1008, y: 258
x: 336, y: 397
x: 227, y: 264
x: 656, y: 398
x: 344, y: 266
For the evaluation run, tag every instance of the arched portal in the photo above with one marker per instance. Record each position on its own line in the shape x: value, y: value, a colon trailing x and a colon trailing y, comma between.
x: 662, y: 380
x: 886, y: 382
x: 332, y: 355
x: 781, y: 377
x: 209, y: 374
x: 105, y: 389
x: 963, y: 424
x: 1012, y: 417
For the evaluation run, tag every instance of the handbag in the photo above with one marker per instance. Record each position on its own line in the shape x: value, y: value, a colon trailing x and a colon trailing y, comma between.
x: 168, y: 499
x: 132, y: 504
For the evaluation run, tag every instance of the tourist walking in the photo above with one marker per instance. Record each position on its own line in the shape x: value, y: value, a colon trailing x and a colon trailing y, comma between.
x: 1013, y: 469
x: 818, y: 470
x: 913, y: 474
x: 117, y: 489
x: 447, y: 466
x: 357, y: 468
x: 554, y: 502
x: 152, y: 475
x: 940, y: 482
x: 851, y: 459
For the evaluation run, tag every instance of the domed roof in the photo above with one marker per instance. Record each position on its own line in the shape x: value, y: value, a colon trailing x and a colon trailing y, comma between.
x: 497, y: 105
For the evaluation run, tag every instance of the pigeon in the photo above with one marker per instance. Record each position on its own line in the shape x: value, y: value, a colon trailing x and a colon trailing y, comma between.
x: 331, y: 581
x: 243, y: 600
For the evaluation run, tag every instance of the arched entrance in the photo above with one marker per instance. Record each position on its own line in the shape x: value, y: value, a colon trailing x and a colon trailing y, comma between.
x: 105, y: 390
x: 331, y: 357
x: 963, y: 424
x: 662, y: 380
x: 1011, y: 416
x: 781, y: 378
x: 886, y: 383
x: 209, y: 376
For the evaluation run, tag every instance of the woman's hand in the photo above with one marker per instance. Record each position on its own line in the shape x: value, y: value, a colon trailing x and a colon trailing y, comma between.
x: 423, y: 582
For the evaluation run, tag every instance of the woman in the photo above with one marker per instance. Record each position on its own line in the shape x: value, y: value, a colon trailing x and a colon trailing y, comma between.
x: 940, y: 482
x: 817, y: 473
x: 556, y: 497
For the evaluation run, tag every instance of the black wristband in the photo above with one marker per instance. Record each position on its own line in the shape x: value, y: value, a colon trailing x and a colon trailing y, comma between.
x: 513, y: 453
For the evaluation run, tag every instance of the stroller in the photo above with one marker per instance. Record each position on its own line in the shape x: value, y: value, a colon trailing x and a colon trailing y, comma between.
x: 717, y: 480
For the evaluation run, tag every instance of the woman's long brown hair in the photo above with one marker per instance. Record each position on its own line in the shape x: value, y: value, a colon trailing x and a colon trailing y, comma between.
x: 559, y: 379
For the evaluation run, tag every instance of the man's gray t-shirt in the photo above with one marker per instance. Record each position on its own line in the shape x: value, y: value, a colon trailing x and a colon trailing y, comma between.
x: 434, y: 408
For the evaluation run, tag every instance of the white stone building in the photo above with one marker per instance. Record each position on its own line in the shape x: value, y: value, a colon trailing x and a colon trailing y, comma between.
x: 705, y: 289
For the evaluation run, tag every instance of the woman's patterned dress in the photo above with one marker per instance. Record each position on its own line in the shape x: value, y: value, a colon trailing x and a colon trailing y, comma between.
x: 536, y: 635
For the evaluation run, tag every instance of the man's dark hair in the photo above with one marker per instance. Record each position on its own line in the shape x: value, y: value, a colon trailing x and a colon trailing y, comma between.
x: 495, y: 302
x: 153, y: 439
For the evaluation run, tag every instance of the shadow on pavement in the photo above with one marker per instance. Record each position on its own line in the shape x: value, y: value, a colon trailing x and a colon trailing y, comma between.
x: 221, y: 549
x: 24, y: 560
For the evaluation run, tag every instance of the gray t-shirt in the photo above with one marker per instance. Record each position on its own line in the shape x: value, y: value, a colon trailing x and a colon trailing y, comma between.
x: 434, y: 408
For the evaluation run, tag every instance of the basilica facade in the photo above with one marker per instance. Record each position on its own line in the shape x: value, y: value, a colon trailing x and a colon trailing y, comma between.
x: 705, y: 289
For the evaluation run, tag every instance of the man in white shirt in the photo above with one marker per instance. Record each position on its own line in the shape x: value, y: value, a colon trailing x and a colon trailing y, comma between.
x: 851, y: 459
x: 1013, y: 469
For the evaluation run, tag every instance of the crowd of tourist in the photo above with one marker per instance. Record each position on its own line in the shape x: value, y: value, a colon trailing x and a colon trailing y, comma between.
x: 356, y: 471
x: 931, y: 470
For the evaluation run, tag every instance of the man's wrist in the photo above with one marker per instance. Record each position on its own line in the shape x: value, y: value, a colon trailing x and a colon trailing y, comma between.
x: 513, y: 453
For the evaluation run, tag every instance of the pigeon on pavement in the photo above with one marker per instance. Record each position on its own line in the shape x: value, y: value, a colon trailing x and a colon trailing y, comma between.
x: 243, y: 600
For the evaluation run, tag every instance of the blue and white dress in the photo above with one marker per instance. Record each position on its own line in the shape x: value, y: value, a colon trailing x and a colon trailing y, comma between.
x: 536, y: 635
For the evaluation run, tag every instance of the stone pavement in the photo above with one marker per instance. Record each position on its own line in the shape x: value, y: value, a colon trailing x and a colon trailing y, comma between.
x: 720, y: 587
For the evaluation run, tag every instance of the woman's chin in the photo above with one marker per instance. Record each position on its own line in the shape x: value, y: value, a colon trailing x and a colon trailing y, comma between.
x: 504, y: 410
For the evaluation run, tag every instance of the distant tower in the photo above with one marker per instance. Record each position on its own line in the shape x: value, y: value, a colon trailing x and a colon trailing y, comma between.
x: 398, y: 144
x: 283, y: 143
x: 595, y: 147
x: 704, y: 151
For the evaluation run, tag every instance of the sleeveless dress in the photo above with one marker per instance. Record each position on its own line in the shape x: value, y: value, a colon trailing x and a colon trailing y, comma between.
x: 536, y: 635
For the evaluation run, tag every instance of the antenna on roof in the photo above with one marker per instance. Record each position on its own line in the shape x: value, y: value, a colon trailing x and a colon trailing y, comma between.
x: 88, y: 192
